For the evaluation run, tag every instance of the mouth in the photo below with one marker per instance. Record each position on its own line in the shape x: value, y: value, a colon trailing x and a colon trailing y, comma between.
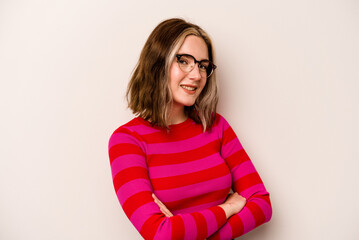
x: 188, y: 87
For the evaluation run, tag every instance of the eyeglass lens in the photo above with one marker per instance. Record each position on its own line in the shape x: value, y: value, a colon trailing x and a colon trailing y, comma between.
x: 188, y: 62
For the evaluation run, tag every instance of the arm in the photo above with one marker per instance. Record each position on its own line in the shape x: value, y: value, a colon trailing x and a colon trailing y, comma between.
x: 248, y: 184
x: 134, y: 191
x: 233, y: 204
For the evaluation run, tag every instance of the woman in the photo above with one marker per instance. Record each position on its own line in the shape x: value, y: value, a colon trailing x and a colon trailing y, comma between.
x: 174, y: 165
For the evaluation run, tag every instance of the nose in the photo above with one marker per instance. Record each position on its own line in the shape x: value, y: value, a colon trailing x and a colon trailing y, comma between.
x: 195, y: 73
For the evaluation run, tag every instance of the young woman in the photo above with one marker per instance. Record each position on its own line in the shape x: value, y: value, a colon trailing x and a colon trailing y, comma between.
x: 174, y: 165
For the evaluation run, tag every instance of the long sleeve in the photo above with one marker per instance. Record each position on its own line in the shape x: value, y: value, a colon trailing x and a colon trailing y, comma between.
x: 248, y: 184
x: 134, y: 190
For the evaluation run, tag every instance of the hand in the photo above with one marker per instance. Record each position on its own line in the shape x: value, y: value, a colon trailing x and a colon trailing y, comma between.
x: 234, y: 204
x: 163, y: 208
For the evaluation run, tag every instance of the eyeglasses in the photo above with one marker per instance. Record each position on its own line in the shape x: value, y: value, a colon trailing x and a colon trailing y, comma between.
x: 187, y: 62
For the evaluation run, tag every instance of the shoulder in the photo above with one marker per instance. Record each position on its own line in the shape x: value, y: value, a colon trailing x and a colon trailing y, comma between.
x: 125, y: 131
x: 220, y: 121
x: 124, y: 140
x: 127, y: 126
x: 219, y: 127
x: 129, y: 136
x: 135, y: 130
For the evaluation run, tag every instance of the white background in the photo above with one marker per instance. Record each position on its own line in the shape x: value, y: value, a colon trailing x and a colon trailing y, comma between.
x: 288, y: 73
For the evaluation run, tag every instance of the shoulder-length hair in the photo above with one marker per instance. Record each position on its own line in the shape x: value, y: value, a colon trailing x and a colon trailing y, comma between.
x: 148, y: 93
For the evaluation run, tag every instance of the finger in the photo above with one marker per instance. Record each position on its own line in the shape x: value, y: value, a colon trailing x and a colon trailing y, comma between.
x: 162, y: 207
x: 154, y: 197
x: 245, y: 199
x: 157, y: 200
x: 166, y: 212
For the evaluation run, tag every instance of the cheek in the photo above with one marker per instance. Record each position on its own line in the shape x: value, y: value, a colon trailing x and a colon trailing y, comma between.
x: 203, y: 84
x: 175, y: 73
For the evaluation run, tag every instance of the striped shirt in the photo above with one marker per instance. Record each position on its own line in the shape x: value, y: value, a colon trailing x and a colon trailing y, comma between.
x: 191, y: 172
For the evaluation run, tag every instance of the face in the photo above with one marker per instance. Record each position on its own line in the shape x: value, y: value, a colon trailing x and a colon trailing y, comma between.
x: 186, y: 87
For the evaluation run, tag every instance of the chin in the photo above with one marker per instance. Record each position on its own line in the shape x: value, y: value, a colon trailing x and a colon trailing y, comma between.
x: 186, y: 102
x: 189, y: 104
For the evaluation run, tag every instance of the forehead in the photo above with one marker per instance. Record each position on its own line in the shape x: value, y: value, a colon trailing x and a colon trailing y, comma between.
x: 194, y: 46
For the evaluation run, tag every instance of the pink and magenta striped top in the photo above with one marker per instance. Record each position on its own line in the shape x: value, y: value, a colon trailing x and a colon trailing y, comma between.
x: 191, y: 172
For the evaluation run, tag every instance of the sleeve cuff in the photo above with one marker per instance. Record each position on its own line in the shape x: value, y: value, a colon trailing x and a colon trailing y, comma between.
x: 220, y: 215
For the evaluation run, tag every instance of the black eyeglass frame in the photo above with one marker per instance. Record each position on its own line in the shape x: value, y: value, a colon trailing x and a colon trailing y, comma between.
x: 178, y: 56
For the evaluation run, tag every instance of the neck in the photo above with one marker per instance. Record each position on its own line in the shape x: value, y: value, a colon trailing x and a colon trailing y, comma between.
x: 177, y: 115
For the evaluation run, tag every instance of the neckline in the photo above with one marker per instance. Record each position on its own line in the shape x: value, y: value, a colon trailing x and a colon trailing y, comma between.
x: 185, y: 123
x: 182, y: 124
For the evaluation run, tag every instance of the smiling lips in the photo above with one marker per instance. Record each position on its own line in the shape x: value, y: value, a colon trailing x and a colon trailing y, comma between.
x: 189, y: 88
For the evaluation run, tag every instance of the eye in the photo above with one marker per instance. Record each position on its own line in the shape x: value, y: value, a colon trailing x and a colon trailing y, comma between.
x: 182, y: 61
x: 203, y: 65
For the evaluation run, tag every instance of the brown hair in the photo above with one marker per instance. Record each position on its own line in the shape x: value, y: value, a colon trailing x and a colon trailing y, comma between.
x: 148, y: 93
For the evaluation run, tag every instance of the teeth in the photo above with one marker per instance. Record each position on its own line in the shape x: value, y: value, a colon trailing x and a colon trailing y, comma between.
x: 188, y: 88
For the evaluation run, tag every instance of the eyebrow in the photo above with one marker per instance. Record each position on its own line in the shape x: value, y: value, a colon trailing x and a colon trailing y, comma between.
x: 192, y: 56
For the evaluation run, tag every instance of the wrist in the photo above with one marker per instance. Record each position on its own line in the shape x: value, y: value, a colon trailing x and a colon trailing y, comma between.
x: 227, y: 209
